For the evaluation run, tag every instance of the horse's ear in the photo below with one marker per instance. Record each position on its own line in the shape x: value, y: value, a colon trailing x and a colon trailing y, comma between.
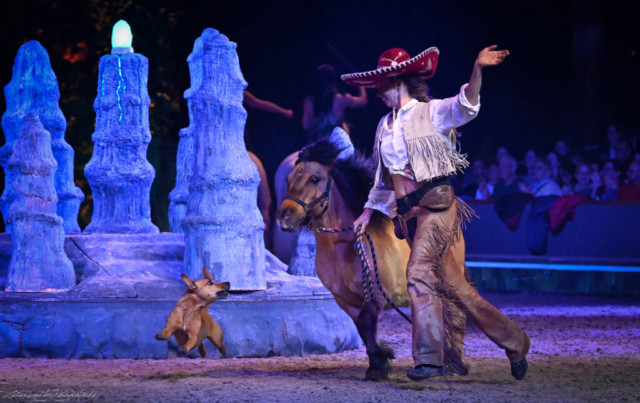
x: 340, y: 139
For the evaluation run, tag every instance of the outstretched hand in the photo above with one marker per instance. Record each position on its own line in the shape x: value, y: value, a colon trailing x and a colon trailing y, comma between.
x: 491, y: 57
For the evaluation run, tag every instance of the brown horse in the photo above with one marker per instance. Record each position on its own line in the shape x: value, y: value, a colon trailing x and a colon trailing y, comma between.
x: 327, y: 193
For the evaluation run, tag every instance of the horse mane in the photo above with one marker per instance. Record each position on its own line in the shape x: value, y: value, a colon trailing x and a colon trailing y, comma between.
x: 353, y: 176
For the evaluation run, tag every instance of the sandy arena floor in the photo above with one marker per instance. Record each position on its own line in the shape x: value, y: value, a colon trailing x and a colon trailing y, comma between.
x: 584, y: 349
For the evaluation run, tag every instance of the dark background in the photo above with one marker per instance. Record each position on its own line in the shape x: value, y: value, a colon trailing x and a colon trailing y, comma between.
x: 573, y: 69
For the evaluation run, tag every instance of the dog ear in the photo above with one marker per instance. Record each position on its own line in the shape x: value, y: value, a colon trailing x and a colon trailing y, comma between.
x: 206, y: 273
x: 190, y: 283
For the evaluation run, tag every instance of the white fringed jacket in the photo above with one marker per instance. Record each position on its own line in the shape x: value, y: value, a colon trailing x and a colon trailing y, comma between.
x: 431, y: 148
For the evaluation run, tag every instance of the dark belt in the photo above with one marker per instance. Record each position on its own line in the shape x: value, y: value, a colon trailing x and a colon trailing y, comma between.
x: 407, y: 209
x: 412, y: 199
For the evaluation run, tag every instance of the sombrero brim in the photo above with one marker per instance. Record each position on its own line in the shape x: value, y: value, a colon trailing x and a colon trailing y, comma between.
x: 423, y: 64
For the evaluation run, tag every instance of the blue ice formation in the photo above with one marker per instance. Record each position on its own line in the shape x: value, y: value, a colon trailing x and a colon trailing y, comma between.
x: 186, y: 157
x: 34, y: 87
x: 38, y: 261
x: 118, y: 172
x: 223, y: 226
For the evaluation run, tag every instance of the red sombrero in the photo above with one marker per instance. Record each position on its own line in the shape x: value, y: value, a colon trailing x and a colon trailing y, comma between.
x: 395, y: 62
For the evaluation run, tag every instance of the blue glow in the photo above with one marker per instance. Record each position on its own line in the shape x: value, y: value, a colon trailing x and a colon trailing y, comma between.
x: 554, y: 266
x: 121, y: 36
x: 102, y: 86
x: 122, y: 83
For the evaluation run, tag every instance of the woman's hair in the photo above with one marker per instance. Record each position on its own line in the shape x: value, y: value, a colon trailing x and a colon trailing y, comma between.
x: 324, y: 89
x: 416, y: 87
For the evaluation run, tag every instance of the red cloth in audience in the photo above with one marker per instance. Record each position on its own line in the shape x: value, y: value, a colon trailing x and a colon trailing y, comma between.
x: 629, y: 192
x: 563, y: 210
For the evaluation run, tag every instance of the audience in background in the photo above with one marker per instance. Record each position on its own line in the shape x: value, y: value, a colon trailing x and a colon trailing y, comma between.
x: 562, y: 149
x: 585, y: 186
x: 509, y: 182
x: 480, y: 189
x: 630, y: 191
x: 563, y: 172
x: 609, y: 180
x: 502, y: 151
x: 623, y: 153
x: 613, y: 136
x: 554, y: 162
x: 544, y: 185
x: 529, y: 161
x: 565, y: 179
x: 493, y: 175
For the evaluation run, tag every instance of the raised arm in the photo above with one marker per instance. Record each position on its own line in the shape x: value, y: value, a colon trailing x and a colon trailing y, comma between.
x: 450, y: 113
x: 356, y: 102
x: 252, y: 101
x: 487, y: 57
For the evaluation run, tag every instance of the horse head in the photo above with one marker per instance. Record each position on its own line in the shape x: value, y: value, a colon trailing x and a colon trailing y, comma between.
x: 310, y: 183
x: 307, y: 196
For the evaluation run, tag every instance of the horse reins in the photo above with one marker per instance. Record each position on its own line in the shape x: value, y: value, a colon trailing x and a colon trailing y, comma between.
x: 360, y: 247
x: 367, y: 284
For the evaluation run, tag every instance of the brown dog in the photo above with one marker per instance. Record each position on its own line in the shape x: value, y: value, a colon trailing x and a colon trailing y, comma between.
x: 190, y: 321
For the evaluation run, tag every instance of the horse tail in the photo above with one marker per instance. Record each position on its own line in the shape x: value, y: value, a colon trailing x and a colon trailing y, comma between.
x: 385, y: 351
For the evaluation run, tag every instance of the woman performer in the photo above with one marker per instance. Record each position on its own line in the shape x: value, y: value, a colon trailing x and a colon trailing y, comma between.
x: 416, y: 151
x: 324, y: 108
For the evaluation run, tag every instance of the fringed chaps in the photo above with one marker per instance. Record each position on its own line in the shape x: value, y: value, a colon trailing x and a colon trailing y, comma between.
x: 439, y: 323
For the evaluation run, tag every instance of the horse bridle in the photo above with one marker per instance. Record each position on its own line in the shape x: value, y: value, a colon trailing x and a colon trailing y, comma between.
x: 308, y: 207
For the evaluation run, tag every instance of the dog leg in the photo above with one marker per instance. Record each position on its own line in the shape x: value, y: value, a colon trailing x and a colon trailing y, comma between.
x: 190, y: 344
x: 202, y: 351
x: 216, y: 337
x: 165, y: 334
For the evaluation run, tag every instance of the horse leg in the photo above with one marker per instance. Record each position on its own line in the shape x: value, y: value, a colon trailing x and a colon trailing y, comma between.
x: 366, y: 321
x: 379, y: 356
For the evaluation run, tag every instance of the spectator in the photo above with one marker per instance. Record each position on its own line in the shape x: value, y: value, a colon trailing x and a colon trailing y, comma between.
x: 622, y: 152
x: 509, y: 182
x: 493, y: 175
x: 554, y: 162
x: 479, y: 190
x: 585, y: 184
x: 613, y: 136
x: 562, y: 148
x: 636, y: 156
x: 529, y: 161
x: 566, y: 179
x: 607, y: 182
x: 630, y: 191
x: 543, y: 186
x: 502, y: 151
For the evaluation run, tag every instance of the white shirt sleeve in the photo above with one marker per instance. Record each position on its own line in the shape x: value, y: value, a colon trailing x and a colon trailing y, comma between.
x: 449, y: 113
x: 383, y: 201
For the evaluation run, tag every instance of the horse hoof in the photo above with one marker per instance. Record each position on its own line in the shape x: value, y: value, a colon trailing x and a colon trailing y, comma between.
x: 380, y: 373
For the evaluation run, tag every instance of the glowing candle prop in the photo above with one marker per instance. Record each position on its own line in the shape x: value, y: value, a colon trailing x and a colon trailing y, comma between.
x: 121, y: 38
